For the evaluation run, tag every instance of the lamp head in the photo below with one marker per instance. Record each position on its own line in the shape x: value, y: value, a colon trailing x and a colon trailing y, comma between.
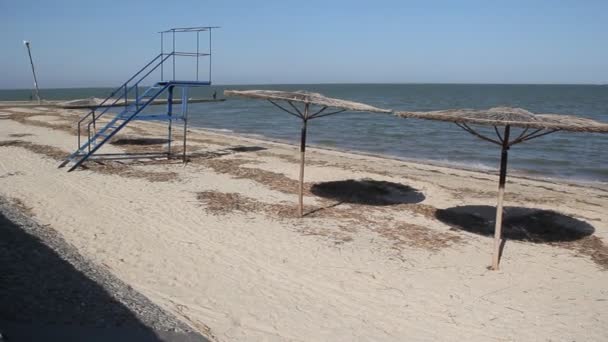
x: 26, y: 43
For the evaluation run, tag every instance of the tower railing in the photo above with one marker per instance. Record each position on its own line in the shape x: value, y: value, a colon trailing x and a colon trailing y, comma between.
x: 141, y: 90
x: 131, y: 88
x: 196, y: 54
x: 120, y: 94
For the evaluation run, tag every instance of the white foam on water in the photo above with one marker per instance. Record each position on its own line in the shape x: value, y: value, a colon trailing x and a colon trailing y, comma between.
x: 217, y: 130
x: 474, y: 165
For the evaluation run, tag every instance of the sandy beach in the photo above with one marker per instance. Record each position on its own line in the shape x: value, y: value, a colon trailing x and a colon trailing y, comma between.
x: 388, y: 251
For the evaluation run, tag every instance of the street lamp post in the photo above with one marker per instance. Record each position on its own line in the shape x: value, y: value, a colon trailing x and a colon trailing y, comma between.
x: 27, y: 45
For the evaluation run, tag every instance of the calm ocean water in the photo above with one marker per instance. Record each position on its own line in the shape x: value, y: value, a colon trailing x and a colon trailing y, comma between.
x: 559, y: 155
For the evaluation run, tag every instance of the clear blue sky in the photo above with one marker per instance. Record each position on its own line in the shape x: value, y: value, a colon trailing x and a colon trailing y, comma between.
x: 102, y: 42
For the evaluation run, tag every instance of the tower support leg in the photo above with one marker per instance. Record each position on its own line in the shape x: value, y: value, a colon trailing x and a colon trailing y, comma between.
x: 185, y: 118
x: 170, y: 113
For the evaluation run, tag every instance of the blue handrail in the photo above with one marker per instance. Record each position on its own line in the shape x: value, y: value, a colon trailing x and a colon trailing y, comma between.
x: 119, y: 97
x: 127, y: 82
x: 112, y: 133
x: 121, y: 92
x: 120, y: 87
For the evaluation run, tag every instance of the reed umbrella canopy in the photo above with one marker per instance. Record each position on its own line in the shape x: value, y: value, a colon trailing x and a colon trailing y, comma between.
x: 532, y: 126
x: 305, y: 106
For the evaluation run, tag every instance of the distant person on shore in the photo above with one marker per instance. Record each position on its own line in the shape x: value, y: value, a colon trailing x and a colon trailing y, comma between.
x: 215, y: 95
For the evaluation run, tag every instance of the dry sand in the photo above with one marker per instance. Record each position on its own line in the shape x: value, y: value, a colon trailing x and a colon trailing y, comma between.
x: 217, y: 243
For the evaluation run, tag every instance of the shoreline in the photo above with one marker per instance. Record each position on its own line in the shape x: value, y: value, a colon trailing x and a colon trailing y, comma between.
x: 565, y: 160
x: 600, y: 185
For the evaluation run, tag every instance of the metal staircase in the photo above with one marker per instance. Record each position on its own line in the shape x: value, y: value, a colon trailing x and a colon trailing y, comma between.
x: 132, y: 109
x: 97, y: 139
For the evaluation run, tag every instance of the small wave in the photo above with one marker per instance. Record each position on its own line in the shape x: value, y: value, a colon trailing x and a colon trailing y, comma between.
x: 218, y: 130
x: 464, y: 165
x: 258, y: 136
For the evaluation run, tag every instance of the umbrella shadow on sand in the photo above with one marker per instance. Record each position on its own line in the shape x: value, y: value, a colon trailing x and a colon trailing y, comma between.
x: 144, y: 148
x: 519, y: 224
x: 367, y: 192
x: 139, y: 141
x: 131, y: 142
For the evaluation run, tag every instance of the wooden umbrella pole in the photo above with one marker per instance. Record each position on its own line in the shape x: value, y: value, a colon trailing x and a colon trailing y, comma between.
x: 302, y: 157
x: 501, y: 193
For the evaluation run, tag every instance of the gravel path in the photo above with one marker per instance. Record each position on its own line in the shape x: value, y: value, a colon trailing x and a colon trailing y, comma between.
x: 44, y: 280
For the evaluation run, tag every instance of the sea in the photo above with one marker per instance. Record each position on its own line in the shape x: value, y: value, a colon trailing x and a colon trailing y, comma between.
x: 581, y: 157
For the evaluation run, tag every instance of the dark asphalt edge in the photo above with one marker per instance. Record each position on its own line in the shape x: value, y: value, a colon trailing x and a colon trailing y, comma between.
x: 147, y: 312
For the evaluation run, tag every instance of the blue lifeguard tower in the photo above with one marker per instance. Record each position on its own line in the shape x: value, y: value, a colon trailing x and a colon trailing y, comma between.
x: 133, y: 96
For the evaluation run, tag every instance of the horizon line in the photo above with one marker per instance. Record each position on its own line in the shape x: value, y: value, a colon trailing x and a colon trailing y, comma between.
x: 342, y: 83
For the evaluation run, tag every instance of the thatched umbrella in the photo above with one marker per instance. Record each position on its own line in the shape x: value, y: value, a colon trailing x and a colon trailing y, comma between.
x: 532, y: 125
x: 309, y: 99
